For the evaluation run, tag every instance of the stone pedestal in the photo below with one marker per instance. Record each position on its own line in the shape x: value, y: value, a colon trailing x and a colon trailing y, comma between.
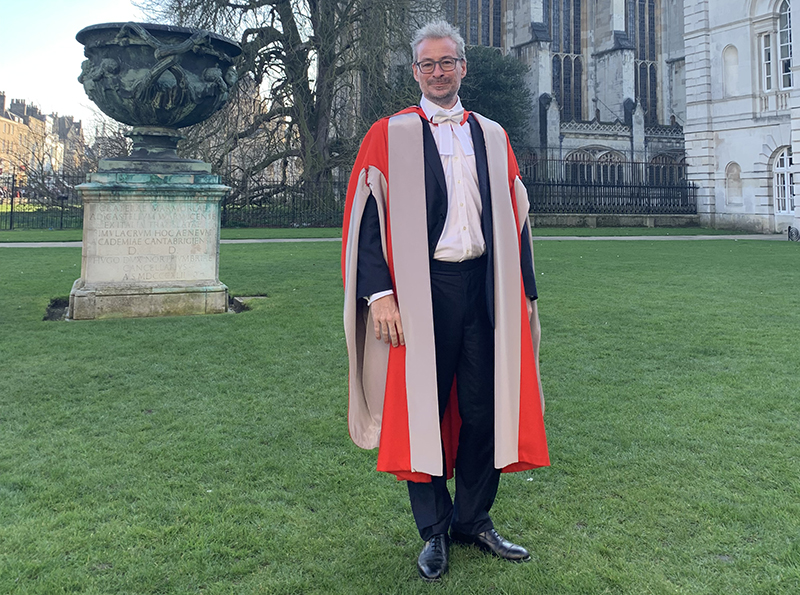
x: 150, y: 242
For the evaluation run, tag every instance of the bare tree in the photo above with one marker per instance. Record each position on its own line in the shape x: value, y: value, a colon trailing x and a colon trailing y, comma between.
x: 109, y: 140
x: 314, y: 74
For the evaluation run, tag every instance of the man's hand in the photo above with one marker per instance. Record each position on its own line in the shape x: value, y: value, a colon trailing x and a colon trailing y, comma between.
x: 529, y: 304
x: 386, y: 318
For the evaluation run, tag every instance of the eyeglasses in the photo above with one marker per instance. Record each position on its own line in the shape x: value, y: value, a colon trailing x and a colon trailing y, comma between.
x: 446, y: 64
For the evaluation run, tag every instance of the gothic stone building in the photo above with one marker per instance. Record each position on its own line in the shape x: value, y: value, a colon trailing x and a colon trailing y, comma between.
x: 701, y: 89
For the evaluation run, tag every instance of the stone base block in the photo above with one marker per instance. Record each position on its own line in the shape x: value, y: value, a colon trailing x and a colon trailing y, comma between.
x: 115, y: 301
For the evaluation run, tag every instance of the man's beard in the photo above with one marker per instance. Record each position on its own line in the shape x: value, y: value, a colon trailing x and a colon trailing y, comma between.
x: 443, y: 96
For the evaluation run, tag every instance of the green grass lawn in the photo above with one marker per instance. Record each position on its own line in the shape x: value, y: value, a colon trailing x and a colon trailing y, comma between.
x: 211, y: 455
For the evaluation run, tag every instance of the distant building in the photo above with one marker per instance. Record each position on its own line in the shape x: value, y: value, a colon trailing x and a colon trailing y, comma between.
x: 31, y: 141
x: 706, y: 89
x: 743, y: 111
x: 13, y: 137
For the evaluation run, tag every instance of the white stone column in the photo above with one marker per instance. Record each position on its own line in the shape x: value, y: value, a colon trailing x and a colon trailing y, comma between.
x: 698, y: 131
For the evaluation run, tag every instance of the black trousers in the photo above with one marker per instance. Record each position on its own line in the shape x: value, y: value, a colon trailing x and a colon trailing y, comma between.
x: 465, y: 350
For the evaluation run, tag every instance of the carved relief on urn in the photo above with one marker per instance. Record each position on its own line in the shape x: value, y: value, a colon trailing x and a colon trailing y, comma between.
x: 157, y: 78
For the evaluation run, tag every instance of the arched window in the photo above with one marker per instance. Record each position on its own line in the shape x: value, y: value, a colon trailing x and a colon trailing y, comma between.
x: 733, y: 183
x: 578, y: 167
x: 730, y: 69
x: 528, y: 166
x: 666, y: 170
x: 610, y: 168
x: 641, y: 28
x: 783, y: 182
x: 564, y: 19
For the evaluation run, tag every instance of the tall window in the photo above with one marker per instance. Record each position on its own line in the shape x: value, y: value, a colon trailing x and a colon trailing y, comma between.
x: 784, y: 182
x: 667, y: 170
x: 610, y: 168
x: 474, y: 11
x: 785, y: 44
x: 766, y: 61
x: 578, y: 167
x: 564, y: 20
x: 641, y: 29
x: 479, y: 21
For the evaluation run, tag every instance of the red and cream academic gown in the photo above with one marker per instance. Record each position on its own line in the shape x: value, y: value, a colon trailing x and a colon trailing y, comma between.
x: 393, y: 398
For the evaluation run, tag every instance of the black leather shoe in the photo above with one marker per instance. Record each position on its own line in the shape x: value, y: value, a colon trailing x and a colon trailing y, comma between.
x: 490, y: 542
x: 432, y: 561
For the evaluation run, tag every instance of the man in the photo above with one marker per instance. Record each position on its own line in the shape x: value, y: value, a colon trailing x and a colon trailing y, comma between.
x: 440, y: 318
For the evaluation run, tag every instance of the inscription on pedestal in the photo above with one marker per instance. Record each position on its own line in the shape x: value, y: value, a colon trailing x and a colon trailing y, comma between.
x: 135, y: 242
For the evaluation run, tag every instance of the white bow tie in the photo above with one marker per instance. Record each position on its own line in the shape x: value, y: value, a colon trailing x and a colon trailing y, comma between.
x: 452, y: 121
x: 443, y: 117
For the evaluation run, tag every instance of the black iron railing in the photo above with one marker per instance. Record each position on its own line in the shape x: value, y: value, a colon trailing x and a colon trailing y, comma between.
x: 597, y: 187
x: 554, y: 186
x: 632, y: 199
x: 44, y: 203
x: 281, y: 205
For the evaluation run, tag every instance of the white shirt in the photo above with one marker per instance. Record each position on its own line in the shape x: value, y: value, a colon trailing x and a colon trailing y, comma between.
x: 462, y: 238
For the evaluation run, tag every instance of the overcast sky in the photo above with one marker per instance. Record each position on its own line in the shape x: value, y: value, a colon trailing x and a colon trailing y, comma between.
x: 39, y: 58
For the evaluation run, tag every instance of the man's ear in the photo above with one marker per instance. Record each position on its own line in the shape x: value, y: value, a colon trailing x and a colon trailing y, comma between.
x: 414, y: 72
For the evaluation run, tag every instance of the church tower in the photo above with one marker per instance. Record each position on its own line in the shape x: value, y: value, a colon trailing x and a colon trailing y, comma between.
x: 607, y: 76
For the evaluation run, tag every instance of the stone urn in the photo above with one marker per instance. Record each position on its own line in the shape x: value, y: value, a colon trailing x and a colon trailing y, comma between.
x: 156, y: 78
x: 151, y: 220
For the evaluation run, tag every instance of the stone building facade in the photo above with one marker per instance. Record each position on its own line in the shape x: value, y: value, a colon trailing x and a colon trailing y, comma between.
x: 742, y: 108
x: 31, y: 141
x: 701, y: 89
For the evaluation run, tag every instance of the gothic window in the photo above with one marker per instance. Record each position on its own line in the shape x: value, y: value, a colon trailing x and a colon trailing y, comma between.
x: 528, y: 166
x: 783, y: 182
x: 461, y: 18
x: 610, y: 169
x: 564, y: 20
x: 785, y: 44
x: 578, y: 167
x: 479, y: 21
x: 497, y: 22
x: 666, y: 170
x: 473, y: 23
x: 485, y: 22
x: 641, y: 28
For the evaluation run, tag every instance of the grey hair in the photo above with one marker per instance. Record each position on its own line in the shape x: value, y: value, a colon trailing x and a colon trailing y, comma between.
x: 438, y: 30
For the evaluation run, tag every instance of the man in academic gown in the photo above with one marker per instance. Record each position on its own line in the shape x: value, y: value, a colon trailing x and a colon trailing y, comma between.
x: 440, y: 314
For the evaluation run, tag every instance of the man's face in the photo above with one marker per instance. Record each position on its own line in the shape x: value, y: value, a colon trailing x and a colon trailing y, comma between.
x: 439, y: 87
